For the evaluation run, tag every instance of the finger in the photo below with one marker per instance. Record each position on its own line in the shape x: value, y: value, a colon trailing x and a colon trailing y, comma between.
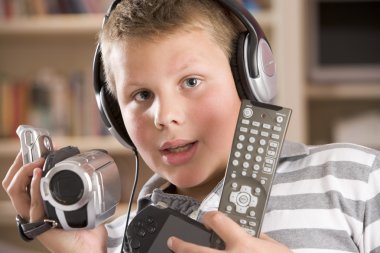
x: 17, y: 189
x: 23, y: 176
x: 179, y: 246
x: 227, y: 229
x: 17, y: 163
x: 36, y: 207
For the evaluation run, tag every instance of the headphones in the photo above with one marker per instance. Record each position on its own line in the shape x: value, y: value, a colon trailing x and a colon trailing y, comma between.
x: 252, y: 66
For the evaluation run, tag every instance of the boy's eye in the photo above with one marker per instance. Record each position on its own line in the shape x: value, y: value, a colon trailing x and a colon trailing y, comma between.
x: 142, y: 95
x: 192, y: 82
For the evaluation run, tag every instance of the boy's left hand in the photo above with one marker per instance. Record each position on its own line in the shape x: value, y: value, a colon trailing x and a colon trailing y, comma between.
x: 235, y: 238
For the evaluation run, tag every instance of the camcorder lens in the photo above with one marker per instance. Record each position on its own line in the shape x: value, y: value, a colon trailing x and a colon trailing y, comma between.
x: 66, y: 187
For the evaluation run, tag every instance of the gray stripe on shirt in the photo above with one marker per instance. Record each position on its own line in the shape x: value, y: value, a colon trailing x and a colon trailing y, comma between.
x: 315, y: 238
x: 327, y: 200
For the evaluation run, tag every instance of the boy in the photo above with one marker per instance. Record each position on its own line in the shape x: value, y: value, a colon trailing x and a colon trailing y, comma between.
x: 167, y: 64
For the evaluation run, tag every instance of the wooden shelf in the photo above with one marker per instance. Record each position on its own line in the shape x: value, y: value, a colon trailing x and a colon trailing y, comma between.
x: 344, y: 91
x: 85, y: 24
x: 12, y: 146
x: 77, y: 24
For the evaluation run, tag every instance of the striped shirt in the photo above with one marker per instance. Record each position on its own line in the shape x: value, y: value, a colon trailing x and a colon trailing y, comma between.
x: 324, y: 199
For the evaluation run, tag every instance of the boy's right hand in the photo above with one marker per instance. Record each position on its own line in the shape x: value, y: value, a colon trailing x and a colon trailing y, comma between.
x: 29, y: 206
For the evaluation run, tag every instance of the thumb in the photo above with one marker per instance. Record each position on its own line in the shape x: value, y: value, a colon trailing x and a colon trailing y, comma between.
x: 36, y: 208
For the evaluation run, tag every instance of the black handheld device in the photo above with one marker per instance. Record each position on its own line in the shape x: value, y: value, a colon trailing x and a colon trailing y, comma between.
x: 149, y: 231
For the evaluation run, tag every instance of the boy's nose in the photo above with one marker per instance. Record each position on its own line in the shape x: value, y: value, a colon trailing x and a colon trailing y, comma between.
x: 167, y: 113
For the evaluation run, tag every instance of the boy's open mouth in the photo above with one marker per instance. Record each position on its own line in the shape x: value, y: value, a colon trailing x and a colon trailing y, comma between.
x: 178, y: 149
x: 178, y: 153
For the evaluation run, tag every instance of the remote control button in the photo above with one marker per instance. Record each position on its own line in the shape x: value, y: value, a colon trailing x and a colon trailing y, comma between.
x: 264, y: 134
x: 266, y: 126
x: 237, y: 154
x: 262, y: 181
x: 229, y: 208
x: 273, y: 144
x: 256, y: 167
x: 252, y: 213
x: 267, y: 170
x: 233, y: 175
x: 277, y: 128
x: 252, y: 140
x: 249, y: 148
x: 239, y: 145
x: 241, y: 137
x: 235, y: 162
x: 245, y: 165
x: 256, y: 124
x: 263, y: 142
x: 247, y: 112
x: 245, y: 121
x: 250, y: 231
x: 243, y: 199
x: 254, y: 131
x: 260, y: 150
x: 248, y: 156
x: 258, y: 158
x: 243, y: 222
x: 275, y: 136
x: 252, y: 223
x: 234, y: 185
x: 279, y: 119
x: 257, y: 190
x: 254, y: 175
x: 243, y: 129
x: 243, y: 173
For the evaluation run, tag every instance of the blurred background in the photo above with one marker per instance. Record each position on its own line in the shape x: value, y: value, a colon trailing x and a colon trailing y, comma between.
x: 328, y: 71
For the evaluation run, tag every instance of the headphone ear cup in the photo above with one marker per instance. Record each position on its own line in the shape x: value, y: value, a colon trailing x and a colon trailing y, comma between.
x: 238, y: 68
x: 111, y: 110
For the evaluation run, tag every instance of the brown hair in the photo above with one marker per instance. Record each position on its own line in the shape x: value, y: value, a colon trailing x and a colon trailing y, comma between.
x: 152, y: 19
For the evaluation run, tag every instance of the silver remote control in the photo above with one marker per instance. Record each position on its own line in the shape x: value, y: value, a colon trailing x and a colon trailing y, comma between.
x: 256, y: 148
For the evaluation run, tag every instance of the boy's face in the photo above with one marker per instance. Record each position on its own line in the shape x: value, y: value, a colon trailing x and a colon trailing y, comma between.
x: 179, y: 104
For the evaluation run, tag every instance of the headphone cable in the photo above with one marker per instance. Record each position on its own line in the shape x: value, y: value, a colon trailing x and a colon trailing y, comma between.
x: 125, y: 243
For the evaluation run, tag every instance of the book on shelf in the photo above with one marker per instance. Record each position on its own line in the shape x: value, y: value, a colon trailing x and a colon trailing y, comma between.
x: 62, y: 104
x: 19, y: 8
x: 255, y: 5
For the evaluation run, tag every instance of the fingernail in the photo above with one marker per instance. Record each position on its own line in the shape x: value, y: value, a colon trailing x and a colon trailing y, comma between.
x: 170, y: 242
x: 35, y: 172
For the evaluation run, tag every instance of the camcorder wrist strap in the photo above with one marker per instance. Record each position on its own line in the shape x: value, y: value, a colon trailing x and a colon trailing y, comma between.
x: 28, y: 231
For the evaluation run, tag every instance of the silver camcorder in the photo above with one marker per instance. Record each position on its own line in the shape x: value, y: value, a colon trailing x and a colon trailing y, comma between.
x: 79, y: 190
